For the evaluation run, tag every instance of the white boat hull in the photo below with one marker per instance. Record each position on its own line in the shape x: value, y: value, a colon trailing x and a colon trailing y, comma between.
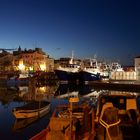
x: 22, y: 114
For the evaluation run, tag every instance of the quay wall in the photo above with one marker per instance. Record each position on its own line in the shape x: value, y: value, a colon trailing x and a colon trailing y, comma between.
x: 122, y: 75
x: 132, y: 86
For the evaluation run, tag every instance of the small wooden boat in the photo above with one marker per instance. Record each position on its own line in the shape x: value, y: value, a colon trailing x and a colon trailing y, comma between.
x: 32, y: 109
x: 23, y: 123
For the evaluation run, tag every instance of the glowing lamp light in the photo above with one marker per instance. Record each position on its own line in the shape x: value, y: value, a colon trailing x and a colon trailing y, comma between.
x: 21, y: 65
x: 42, y: 89
x: 43, y: 67
x: 31, y: 68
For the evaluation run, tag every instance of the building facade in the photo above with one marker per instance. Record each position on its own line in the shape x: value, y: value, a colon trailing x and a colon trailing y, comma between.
x: 34, y: 60
x: 137, y: 66
x: 27, y: 60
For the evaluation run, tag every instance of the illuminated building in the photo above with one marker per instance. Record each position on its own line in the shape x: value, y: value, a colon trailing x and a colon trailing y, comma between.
x: 34, y: 60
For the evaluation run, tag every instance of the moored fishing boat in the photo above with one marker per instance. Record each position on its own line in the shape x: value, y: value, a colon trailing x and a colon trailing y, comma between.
x: 90, y: 73
x: 68, y: 73
x: 86, y: 76
x: 32, y: 109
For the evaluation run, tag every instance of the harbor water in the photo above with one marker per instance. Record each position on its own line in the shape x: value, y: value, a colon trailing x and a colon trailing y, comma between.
x: 11, y: 97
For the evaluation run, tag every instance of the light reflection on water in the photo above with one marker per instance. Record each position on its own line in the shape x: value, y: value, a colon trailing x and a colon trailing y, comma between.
x: 18, y: 96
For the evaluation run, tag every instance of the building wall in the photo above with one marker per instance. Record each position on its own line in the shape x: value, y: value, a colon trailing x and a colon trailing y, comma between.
x: 123, y: 75
x: 137, y: 67
x: 49, y: 64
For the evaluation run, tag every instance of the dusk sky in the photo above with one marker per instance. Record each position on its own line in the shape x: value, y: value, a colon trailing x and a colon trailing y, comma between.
x: 109, y: 29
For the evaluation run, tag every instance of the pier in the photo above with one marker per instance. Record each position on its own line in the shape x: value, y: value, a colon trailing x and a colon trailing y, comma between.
x: 133, y: 86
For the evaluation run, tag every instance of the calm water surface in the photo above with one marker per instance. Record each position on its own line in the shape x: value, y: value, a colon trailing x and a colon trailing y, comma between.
x: 11, y: 97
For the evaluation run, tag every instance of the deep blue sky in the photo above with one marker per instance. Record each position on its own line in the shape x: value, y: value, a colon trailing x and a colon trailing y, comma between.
x: 109, y: 29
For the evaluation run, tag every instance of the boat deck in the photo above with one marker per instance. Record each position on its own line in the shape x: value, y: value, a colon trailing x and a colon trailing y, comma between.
x: 59, y: 127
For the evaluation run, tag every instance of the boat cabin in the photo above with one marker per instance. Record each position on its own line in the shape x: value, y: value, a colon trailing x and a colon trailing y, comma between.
x: 118, y: 109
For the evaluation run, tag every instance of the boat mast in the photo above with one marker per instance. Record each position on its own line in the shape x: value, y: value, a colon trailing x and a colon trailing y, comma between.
x: 72, y: 57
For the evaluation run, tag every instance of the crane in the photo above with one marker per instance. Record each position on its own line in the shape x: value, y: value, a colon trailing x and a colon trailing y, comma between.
x: 1, y: 49
x: 4, y: 50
